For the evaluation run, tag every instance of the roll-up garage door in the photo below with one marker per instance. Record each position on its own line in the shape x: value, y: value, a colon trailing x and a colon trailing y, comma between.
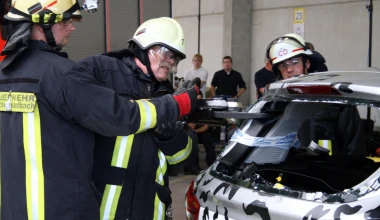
x: 89, y: 37
x: 124, y: 20
x: 156, y: 8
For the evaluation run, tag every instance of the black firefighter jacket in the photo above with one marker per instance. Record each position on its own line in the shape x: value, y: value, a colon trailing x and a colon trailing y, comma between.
x: 50, y: 108
x: 131, y: 171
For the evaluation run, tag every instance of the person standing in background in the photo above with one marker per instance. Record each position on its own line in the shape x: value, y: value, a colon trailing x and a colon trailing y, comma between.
x: 263, y: 77
x: 198, y: 71
x: 226, y: 81
x: 205, y: 138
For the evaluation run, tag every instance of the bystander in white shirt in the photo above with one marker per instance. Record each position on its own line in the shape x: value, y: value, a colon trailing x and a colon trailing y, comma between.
x: 198, y: 71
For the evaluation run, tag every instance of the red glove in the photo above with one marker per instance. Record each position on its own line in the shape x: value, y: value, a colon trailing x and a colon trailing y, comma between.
x: 186, y: 96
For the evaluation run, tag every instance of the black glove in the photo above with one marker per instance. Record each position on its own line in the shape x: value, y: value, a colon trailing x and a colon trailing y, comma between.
x: 169, y: 130
x: 186, y: 96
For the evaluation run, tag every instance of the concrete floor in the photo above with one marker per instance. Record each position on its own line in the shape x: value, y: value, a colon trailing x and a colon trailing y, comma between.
x: 178, y: 185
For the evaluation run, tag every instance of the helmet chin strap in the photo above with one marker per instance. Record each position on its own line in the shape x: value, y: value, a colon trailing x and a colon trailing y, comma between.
x: 50, y: 37
x: 304, y: 66
x: 146, y: 63
x: 143, y: 56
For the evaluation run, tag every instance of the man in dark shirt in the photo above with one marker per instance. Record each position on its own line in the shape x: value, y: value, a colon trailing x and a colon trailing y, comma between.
x: 226, y: 81
x: 264, y: 77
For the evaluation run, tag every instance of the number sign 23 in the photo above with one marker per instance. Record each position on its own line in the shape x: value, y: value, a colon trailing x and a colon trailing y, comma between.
x: 299, y: 15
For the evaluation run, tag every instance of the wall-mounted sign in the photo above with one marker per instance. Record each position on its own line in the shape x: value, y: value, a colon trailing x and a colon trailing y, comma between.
x: 298, y: 21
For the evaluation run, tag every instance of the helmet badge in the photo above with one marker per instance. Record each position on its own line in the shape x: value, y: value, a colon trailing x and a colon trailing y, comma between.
x: 282, y: 52
x: 141, y: 32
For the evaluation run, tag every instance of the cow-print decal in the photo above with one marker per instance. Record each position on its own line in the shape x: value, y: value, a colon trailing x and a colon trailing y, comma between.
x: 326, y: 77
x: 215, y: 216
x: 257, y: 207
x: 205, y: 214
x: 373, y: 214
x: 347, y: 210
x: 226, y: 214
x: 204, y: 195
x: 199, y: 181
x: 233, y: 189
x: 316, y: 213
x: 207, y: 181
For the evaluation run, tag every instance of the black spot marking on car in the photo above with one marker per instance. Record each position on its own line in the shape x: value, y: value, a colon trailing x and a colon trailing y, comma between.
x: 316, y: 213
x: 257, y: 207
x: 326, y: 77
x: 347, y: 210
x: 204, y: 195
x: 198, y: 182
x: 207, y: 181
x: 226, y: 214
x: 226, y: 186
x: 215, y: 216
x: 373, y: 213
x: 205, y: 214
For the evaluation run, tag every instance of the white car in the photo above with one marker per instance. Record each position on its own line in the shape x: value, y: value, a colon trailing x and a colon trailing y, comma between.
x: 303, y: 152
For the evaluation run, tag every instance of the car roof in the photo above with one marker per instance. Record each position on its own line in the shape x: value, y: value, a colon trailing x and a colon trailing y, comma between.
x: 363, y: 85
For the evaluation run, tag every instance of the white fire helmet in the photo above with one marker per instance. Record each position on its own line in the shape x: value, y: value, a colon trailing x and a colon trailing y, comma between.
x: 162, y: 31
x: 287, y: 47
x: 45, y: 12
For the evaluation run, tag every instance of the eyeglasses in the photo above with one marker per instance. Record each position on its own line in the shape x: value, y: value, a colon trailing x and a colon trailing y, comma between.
x: 289, y: 63
x: 67, y: 23
x: 70, y: 21
x: 167, y: 55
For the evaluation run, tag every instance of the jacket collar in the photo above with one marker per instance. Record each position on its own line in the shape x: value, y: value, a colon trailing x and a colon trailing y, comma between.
x: 42, y: 45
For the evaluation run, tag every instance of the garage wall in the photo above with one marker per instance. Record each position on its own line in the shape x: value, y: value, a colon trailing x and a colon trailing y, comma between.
x: 89, y: 36
x: 156, y: 8
x: 186, y: 13
x: 124, y: 20
x: 337, y: 28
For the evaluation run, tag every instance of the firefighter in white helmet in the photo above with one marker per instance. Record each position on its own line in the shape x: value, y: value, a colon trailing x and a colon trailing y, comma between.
x: 131, y: 172
x: 50, y: 110
x: 289, y: 56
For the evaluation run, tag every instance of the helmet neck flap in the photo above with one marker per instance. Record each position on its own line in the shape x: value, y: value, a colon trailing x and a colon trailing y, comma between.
x: 143, y: 56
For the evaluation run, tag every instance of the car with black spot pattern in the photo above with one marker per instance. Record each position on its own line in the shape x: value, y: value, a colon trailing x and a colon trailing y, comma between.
x: 307, y: 150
